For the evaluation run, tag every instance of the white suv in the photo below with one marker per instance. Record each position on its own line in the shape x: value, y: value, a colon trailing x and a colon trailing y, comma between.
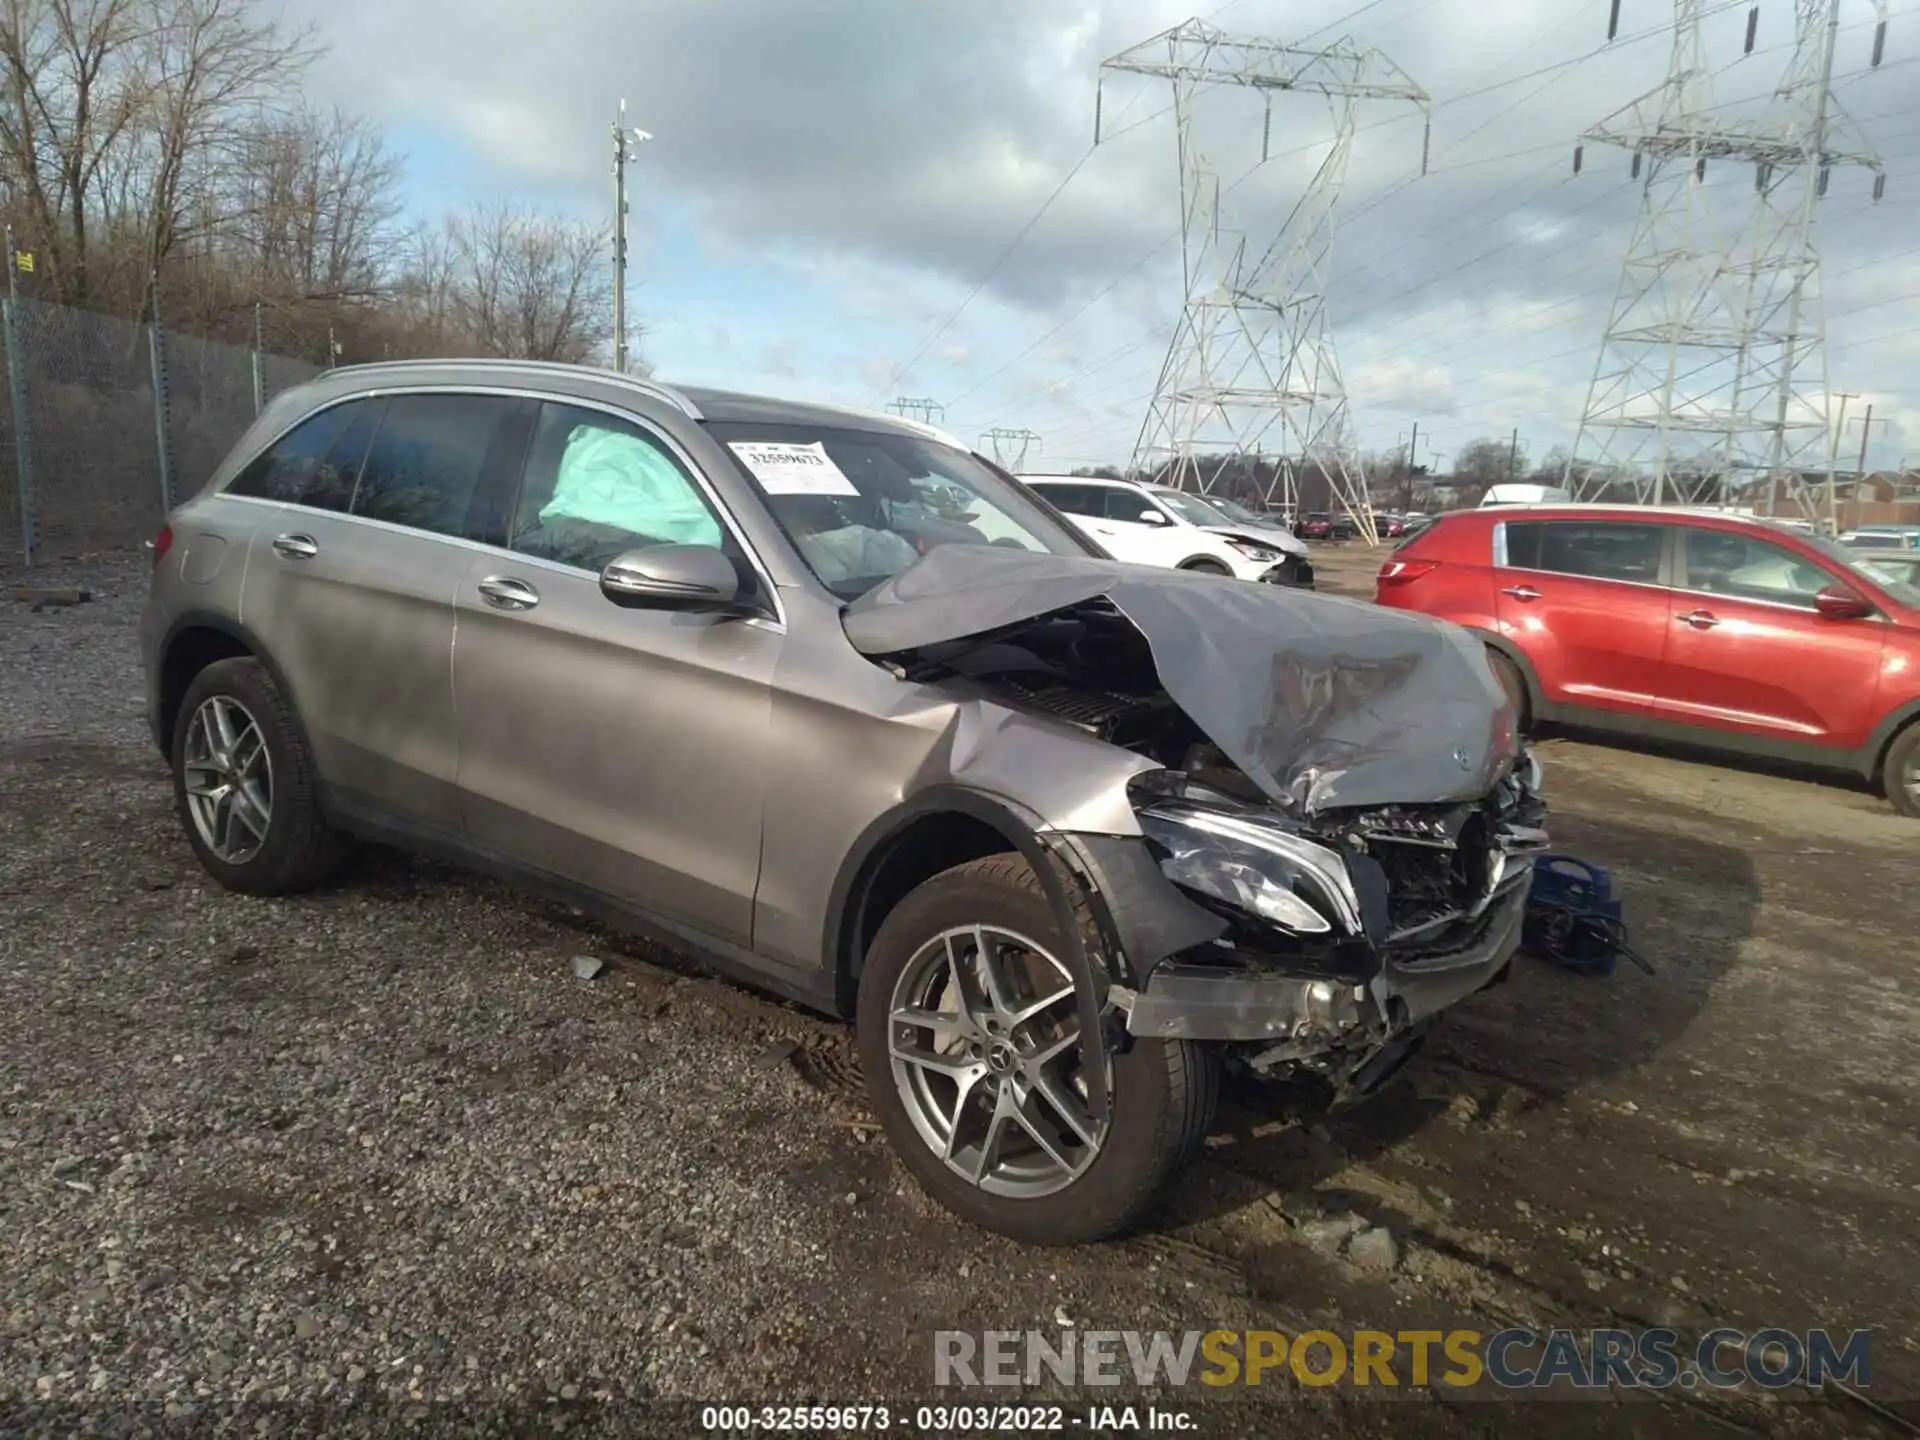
x: 1157, y: 525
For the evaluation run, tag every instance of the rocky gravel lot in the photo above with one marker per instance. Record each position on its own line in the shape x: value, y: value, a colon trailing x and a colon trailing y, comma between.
x: 378, y: 1156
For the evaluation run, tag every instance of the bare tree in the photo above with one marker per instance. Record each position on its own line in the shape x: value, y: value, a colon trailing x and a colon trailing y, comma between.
x: 74, y: 91
x: 208, y: 65
x: 1480, y: 464
x: 528, y: 285
x: 313, y: 208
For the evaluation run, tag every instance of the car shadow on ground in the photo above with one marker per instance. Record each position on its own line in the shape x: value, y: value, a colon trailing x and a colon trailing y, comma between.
x: 1542, y: 1034
x: 1840, y: 781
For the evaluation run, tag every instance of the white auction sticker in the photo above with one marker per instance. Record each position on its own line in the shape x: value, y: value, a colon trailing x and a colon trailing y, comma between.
x: 784, y: 469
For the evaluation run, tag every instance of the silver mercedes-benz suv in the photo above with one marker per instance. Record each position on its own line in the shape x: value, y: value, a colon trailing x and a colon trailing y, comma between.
x: 833, y: 703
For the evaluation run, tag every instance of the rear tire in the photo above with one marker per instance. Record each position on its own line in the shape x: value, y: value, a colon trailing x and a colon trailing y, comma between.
x: 1900, y: 772
x: 298, y: 849
x: 1515, y: 684
x: 1161, y: 1096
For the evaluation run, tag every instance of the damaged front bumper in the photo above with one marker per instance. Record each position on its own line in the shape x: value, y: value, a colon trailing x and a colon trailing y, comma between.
x: 1343, y: 941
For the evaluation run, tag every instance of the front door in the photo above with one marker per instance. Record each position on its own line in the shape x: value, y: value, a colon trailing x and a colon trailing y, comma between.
x: 1747, y: 650
x: 621, y: 749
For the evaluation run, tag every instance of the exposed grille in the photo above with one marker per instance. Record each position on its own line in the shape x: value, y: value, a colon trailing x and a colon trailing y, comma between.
x: 1095, y: 710
x: 1427, y: 882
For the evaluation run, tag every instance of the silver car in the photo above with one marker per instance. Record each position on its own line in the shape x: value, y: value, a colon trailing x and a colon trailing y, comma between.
x: 824, y: 698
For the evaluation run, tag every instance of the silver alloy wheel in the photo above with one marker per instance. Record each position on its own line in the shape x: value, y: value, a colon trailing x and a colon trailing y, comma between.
x: 1911, y: 780
x: 229, y: 779
x: 984, y: 1036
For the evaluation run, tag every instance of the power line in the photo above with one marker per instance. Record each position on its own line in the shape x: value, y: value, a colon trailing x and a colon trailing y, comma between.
x: 1483, y: 90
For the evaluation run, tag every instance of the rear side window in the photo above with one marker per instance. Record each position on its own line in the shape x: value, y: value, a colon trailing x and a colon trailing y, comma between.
x: 1072, y: 499
x: 1598, y: 550
x: 424, y: 463
x: 288, y: 469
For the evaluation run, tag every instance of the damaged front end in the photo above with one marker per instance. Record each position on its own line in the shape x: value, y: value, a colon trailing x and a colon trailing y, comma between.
x: 1335, y: 818
x: 1346, y: 934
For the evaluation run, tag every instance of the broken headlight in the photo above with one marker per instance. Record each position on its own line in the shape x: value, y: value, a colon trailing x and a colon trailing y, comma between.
x: 1254, y: 865
x: 1256, y: 552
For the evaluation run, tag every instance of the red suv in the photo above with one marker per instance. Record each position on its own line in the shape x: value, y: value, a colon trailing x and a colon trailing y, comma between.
x: 1686, y: 625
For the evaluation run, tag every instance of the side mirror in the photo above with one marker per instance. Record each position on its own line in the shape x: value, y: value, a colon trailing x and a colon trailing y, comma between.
x: 1837, y: 602
x: 695, y: 578
x: 1153, y: 517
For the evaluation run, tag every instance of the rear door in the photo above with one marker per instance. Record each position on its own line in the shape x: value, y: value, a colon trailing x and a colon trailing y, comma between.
x: 1748, y: 651
x: 1587, y: 602
x: 350, y: 590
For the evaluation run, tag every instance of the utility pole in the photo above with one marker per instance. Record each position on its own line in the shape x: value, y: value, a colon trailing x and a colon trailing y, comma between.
x: 1833, y: 465
x: 624, y: 142
x: 1413, y: 459
x: 1513, y: 455
x: 1866, y: 429
x: 1716, y: 329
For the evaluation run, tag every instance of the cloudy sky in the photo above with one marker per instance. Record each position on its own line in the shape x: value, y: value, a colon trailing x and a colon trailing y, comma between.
x: 827, y: 208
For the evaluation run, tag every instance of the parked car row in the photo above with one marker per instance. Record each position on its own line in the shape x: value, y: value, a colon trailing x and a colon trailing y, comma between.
x: 1697, y: 626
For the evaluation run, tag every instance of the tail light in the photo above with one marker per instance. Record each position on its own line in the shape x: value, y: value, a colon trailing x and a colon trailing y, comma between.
x: 1400, y: 572
x: 162, y: 543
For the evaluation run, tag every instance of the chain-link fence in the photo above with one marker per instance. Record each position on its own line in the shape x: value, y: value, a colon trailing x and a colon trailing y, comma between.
x: 88, y: 459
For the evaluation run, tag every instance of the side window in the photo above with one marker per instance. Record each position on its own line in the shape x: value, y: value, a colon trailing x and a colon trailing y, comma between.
x: 1071, y: 499
x: 596, y: 485
x: 1130, y: 505
x: 1594, y: 549
x: 285, y: 470
x: 424, y: 463
x: 1745, y: 567
x: 331, y: 486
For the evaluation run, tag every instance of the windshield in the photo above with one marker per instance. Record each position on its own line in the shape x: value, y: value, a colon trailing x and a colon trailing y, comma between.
x: 861, y: 505
x: 1190, y: 508
x: 1234, y: 510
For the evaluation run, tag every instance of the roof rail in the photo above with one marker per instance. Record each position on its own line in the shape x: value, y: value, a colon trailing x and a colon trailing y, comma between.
x: 651, y: 388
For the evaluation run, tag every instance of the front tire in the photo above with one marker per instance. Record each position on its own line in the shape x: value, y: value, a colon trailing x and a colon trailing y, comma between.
x: 1205, y: 567
x: 969, y: 1041
x: 245, y: 784
x: 1900, y: 772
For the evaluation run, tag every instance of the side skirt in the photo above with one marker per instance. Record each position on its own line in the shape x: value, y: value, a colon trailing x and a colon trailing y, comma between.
x: 365, y: 821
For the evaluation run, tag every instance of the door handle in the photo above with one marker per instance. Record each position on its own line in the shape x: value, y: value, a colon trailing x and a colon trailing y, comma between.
x: 296, y: 547
x: 1699, y: 619
x: 503, y: 592
x: 1521, y: 592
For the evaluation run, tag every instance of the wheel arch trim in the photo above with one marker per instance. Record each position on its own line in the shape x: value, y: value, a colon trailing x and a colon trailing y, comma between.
x: 1022, y: 829
x: 239, y: 633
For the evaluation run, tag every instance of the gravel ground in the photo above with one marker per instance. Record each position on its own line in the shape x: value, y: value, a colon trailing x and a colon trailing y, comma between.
x: 377, y: 1154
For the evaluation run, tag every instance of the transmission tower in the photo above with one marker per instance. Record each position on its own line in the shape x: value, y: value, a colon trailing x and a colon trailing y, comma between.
x: 927, y: 412
x: 1009, y: 448
x: 1713, y: 362
x: 1253, y: 352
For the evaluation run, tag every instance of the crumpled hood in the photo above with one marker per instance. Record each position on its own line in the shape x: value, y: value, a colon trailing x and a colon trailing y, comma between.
x: 1323, y: 703
x: 1283, y: 540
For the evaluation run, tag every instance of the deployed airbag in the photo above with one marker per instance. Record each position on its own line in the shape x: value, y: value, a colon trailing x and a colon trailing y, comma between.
x: 1323, y: 703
